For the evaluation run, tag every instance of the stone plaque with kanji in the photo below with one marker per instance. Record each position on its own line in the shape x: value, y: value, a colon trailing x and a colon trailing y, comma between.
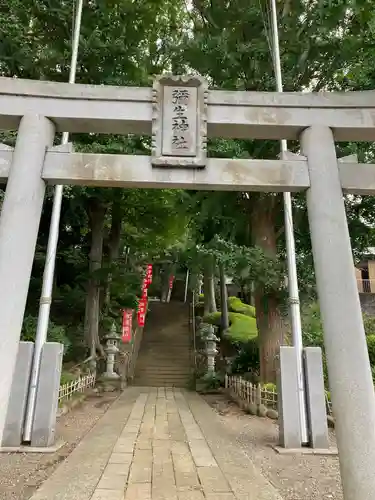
x: 179, y: 125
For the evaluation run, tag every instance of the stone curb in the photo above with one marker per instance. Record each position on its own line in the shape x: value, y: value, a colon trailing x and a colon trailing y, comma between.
x: 259, y: 410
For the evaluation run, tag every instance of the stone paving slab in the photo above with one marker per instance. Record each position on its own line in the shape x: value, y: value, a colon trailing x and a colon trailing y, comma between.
x: 246, y: 482
x: 77, y: 477
x: 157, y: 444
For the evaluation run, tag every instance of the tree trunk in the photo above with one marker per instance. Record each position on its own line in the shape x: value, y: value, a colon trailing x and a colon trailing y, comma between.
x: 96, y: 212
x: 271, y: 334
x: 206, y: 293
x: 224, y: 299
x: 269, y: 322
x: 209, y: 287
x: 113, y: 247
x: 169, y: 270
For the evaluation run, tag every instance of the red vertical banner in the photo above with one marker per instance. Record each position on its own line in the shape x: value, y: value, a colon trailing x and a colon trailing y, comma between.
x: 171, y: 280
x: 142, y: 304
x: 149, y: 274
x: 144, y: 289
x: 127, y: 323
x: 142, y: 307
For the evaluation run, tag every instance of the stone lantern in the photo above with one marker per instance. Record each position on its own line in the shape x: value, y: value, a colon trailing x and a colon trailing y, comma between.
x: 211, y: 350
x: 111, y: 350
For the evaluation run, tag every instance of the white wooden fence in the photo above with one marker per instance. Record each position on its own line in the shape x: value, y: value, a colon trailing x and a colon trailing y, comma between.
x: 252, y: 393
x: 67, y: 390
x: 258, y: 394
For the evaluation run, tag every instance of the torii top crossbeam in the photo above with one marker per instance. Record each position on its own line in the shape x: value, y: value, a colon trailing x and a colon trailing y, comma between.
x: 235, y: 114
x: 122, y: 110
x: 179, y: 159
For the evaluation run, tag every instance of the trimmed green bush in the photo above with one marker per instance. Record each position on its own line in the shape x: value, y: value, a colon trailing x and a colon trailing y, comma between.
x: 269, y: 387
x: 236, y: 305
x: 241, y: 328
x: 242, y: 334
x: 213, y: 318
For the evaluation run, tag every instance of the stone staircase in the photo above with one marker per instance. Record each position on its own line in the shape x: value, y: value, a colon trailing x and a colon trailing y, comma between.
x: 165, y: 355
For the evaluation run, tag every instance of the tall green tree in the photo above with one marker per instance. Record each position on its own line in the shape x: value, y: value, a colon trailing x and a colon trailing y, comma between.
x: 231, y: 45
x: 122, y: 43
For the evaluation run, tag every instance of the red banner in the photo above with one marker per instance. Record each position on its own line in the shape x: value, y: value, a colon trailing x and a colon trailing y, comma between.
x: 127, y: 322
x: 142, y: 304
x: 141, y: 315
x: 144, y: 289
x: 149, y: 274
x: 171, y: 280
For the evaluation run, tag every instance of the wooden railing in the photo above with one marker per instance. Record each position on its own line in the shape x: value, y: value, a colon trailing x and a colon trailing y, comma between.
x: 259, y: 395
x: 80, y: 384
x: 252, y: 393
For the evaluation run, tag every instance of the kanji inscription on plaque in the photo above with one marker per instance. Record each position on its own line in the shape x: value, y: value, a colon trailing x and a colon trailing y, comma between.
x: 179, y: 126
x: 180, y: 121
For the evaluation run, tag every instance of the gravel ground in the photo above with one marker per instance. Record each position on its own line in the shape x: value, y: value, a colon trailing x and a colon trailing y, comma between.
x: 303, y: 477
x: 22, y: 474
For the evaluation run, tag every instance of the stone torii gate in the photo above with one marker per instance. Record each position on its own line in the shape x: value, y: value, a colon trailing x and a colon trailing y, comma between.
x: 180, y: 113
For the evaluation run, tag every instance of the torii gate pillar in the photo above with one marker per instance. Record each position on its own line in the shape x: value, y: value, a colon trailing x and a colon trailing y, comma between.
x: 349, y: 371
x: 19, y: 225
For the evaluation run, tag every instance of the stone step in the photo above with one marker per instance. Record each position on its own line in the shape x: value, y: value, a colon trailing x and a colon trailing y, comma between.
x: 165, y: 355
x: 172, y: 363
x: 164, y: 369
x: 162, y: 381
x: 154, y: 357
x: 163, y: 375
x: 148, y: 380
x: 153, y: 364
x: 172, y: 339
x: 165, y: 347
x: 162, y: 357
x: 165, y: 352
x: 162, y: 354
x: 167, y: 343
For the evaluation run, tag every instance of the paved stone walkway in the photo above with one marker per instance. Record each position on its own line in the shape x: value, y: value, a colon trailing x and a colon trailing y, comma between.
x: 157, y: 444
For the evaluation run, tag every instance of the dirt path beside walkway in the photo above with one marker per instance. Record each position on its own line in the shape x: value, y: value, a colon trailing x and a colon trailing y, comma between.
x: 296, y: 477
x: 22, y: 474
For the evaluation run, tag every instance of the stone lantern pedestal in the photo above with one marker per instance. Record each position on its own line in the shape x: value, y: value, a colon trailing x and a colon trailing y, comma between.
x: 211, y: 350
x: 111, y: 350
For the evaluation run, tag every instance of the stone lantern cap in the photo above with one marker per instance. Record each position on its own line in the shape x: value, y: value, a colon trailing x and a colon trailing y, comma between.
x: 112, y: 335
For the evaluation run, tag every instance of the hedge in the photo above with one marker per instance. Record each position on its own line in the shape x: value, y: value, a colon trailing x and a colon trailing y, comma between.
x: 241, y: 328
